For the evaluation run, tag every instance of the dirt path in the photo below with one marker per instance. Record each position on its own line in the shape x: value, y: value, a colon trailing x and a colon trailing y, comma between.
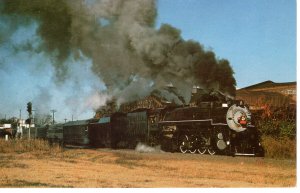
x: 127, y: 168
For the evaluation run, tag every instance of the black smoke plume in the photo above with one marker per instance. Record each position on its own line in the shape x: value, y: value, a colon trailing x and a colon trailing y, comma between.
x: 128, y: 53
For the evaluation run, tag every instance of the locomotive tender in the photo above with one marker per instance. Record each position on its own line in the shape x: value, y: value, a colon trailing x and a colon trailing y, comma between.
x: 108, y: 131
x: 122, y: 130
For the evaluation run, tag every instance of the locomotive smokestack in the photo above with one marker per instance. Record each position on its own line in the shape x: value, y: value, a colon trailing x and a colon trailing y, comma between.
x: 129, y: 55
x: 172, y: 89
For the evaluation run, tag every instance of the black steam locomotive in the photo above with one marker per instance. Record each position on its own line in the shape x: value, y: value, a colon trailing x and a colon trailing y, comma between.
x: 208, y: 127
x: 212, y: 127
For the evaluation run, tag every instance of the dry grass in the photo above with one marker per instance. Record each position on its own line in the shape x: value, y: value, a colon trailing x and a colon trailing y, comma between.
x: 279, y: 148
x: 121, y: 168
x: 37, y: 146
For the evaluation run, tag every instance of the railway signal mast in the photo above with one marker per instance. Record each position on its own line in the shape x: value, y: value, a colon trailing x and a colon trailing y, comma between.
x: 29, y: 121
x: 29, y: 110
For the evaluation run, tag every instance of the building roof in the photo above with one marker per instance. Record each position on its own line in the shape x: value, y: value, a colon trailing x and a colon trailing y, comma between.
x: 73, y: 123
x: 268, y: 84
x: 267, y: 93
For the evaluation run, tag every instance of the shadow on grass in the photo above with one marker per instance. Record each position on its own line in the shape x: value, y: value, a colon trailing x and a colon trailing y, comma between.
x: 5, y: 164
x: 129, y: 160
x: 24, y: 183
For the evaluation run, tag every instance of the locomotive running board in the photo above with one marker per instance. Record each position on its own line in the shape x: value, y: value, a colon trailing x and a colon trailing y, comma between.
x: 244, y: 154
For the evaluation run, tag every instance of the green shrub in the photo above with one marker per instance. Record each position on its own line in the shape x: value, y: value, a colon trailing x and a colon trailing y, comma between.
x: 278, y: 137
x: 277, y: 128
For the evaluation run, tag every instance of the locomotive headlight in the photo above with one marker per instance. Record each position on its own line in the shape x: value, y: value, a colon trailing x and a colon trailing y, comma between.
x: 228, y: 142
x: 224, y: 105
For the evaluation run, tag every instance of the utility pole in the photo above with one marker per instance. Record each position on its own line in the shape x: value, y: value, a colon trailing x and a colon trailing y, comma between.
x: 20, y: 114
x: 33, y: 122
x: 53, y: 111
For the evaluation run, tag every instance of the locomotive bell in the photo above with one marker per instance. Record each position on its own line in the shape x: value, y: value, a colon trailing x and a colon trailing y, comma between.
x: 238, y: 117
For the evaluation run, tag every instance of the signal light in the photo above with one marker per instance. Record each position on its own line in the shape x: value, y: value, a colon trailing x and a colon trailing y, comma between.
x: 29, y: 108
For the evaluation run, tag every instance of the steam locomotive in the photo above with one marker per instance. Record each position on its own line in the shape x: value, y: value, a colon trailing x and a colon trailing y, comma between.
x: 212, y: 127
x: 223, y: 128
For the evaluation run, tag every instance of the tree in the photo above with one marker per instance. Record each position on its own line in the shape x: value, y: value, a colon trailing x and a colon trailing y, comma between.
x: 43, y: 119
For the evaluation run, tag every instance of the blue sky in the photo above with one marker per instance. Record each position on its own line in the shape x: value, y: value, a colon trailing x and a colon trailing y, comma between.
x: 28, y: 76
x: 258, y: 37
